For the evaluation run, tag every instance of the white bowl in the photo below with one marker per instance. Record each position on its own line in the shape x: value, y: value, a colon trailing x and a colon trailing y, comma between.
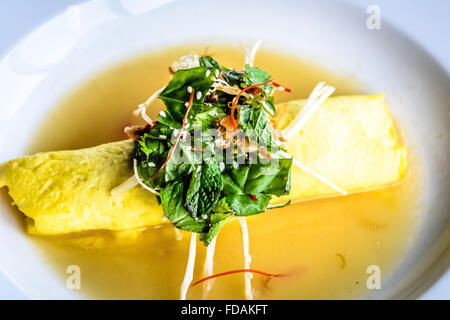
x: 60, y: 54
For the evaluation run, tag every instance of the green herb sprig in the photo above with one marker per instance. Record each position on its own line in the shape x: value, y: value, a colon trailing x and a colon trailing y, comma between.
x: 201, y: 193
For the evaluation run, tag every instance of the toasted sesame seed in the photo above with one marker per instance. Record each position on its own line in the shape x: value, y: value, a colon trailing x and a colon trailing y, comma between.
x: 208, y: 72
x: 189, y: 89
x: 162, y: 113
x: 199, y: 95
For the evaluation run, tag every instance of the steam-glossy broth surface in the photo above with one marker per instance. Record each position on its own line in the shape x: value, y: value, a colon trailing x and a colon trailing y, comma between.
x: 326, y: 245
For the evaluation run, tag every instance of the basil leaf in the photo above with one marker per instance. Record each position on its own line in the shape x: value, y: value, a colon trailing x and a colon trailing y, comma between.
x: 233, y: 77
x: 176, y: 93
x: 234, y: 179
x: 240, y: 205
x: 167, y: 119
x: 273, y: 177
x: 209, y: 62
x: 172, y: 197
x: 244, y: 205
x: 209, y: 115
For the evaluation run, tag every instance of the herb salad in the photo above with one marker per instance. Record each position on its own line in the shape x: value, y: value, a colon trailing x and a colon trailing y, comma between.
x: 213, y: 153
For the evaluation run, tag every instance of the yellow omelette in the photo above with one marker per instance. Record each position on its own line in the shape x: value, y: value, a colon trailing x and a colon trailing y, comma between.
x: 350, y: 140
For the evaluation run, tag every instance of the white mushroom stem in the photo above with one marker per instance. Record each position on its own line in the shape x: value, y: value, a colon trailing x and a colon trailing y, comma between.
x: 208, y: 268
x: 320, y: 93
x: 315, y: 174
x: 178, y: 234
x: 129, y: 184
x: 251, y: 52
x: 136, y: 174
x: 247, y: 259
x: 189, y: 274
x: 142, y: 108
x: 145, y: 116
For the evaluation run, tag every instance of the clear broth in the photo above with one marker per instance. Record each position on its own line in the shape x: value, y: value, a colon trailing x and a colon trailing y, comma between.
x: 326, y: 245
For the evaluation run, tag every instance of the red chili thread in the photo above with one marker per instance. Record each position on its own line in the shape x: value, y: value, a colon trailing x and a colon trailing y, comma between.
x: 234, y: 106
x: 284, y: 88
x: 265, y: 154
x: 270, y: 275
x: 191, y: 99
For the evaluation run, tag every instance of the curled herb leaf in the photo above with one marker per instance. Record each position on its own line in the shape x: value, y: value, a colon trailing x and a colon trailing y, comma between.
x: 178, y: 90
x: 209, y: 62
x: 254, y: 75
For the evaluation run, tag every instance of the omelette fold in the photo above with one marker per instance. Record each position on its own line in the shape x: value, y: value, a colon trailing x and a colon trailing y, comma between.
x: 350, y: 140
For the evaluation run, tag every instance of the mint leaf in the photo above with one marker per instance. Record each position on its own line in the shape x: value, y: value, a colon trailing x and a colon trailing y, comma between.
x: 204, y: 189
x: 172, y: 198
x: 188, y: 223
x: 256, y: 125
x: 217, y: 221
x: 254, y: 75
